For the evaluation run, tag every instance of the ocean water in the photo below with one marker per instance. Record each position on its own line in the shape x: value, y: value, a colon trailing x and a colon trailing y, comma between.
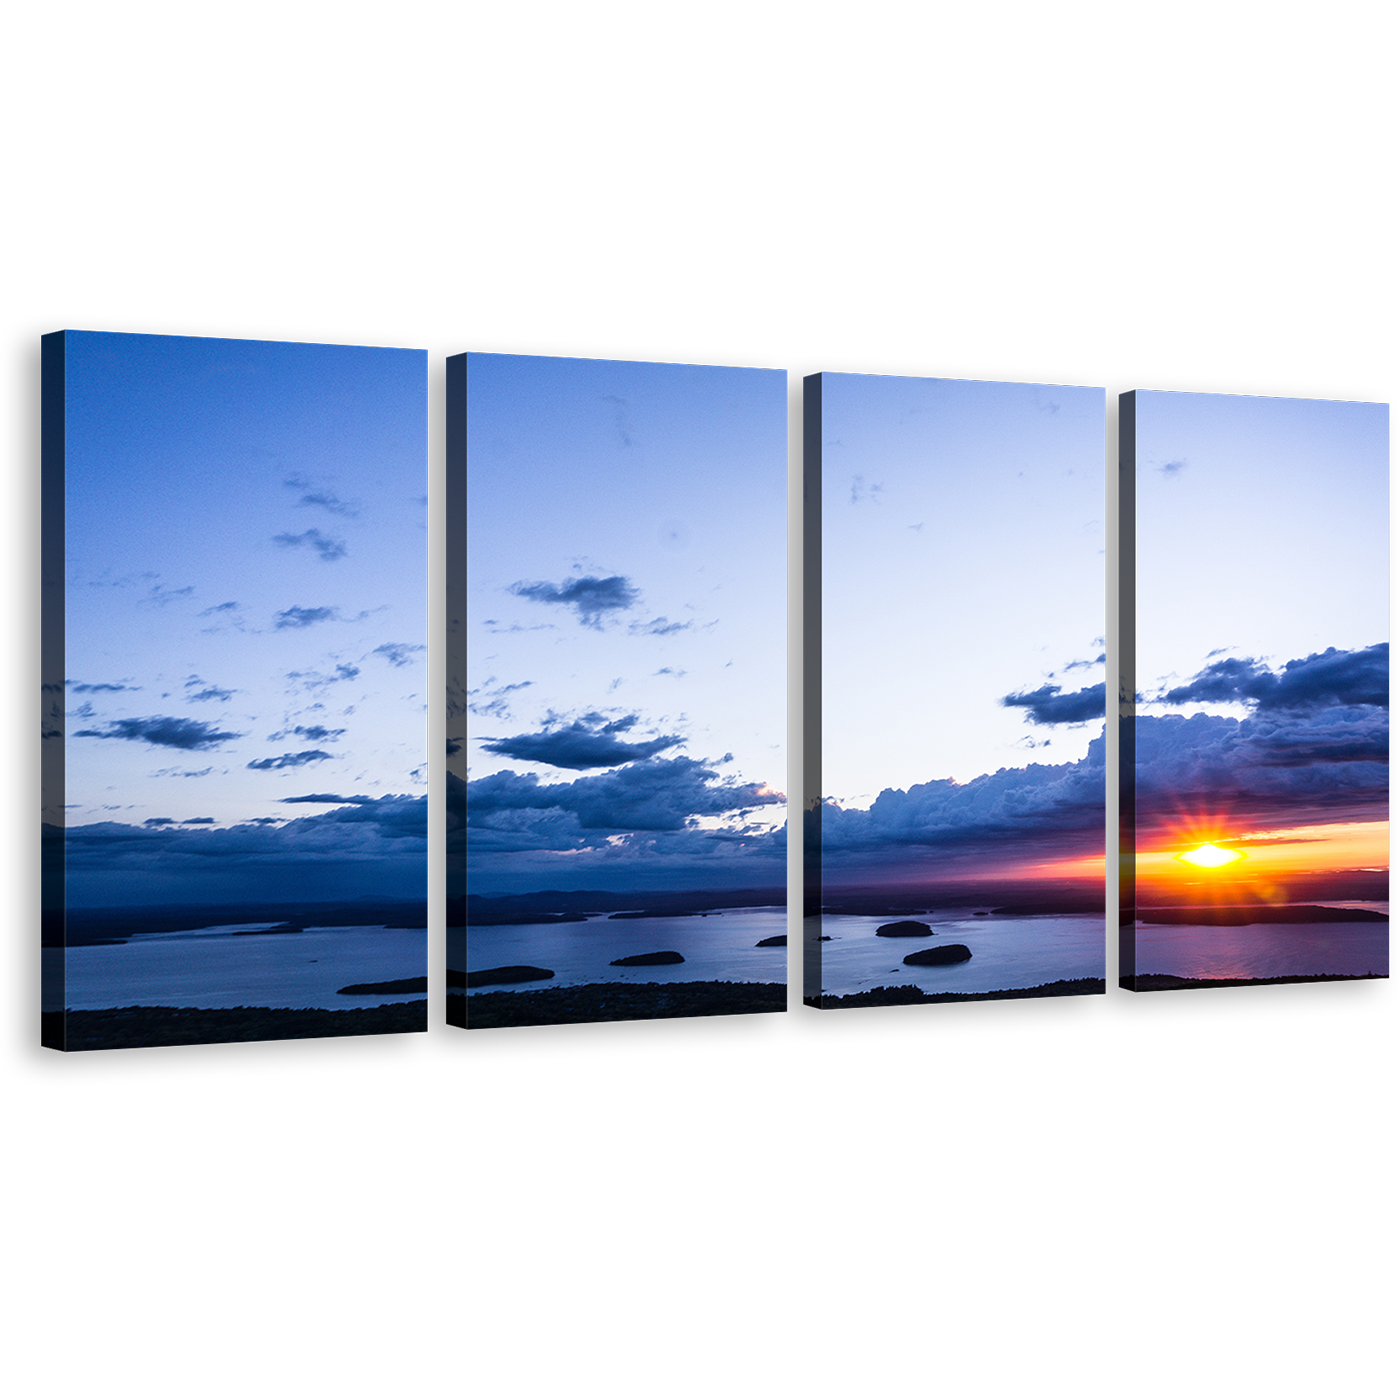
x: 213, y: 967
x: 1007, y: 952
x: 1266, y: 950
x: 717, y: 948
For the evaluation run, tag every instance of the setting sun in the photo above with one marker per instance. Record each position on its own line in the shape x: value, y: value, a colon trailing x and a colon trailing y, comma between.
x: 1211, y: 856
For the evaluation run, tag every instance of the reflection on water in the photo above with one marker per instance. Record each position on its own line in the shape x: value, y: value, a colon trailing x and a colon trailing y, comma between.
x: 1266, y: 950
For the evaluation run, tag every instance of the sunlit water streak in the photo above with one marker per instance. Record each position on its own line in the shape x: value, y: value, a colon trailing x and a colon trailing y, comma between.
x: 720, y: 947
x: 1266, y: 950
x: 214, y: 967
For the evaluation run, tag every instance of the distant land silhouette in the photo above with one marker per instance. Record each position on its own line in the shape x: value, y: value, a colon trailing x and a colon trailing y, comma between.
x: 563, y: 906
x: 1238, y: 915
x: 94, y: 927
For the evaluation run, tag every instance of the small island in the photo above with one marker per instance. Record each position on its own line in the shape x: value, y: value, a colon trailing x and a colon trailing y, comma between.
x: 939, y: 956
x: 905, y: 928
x: 491, y: 976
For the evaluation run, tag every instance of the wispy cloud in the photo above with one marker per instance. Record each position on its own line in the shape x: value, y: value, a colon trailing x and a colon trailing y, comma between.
x: 398, y: 653
x: 290, y: 760
x: 659, y: 627
x: 315, y: 733
x: 861, y: 490
x: 622, y: 419
x: 304, y: 617
x: 327, y: 547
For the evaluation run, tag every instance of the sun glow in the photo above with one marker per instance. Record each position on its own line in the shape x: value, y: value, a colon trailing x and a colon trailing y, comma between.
x: 1210, y: 856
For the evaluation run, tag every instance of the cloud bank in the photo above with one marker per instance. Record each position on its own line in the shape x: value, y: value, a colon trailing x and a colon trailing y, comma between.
x: 373, y: 847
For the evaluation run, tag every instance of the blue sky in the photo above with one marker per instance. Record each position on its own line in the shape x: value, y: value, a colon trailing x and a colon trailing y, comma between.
x: 245, y: 624
x: 1262, y: 611
x: 963, y: 619
x: 626, y: 615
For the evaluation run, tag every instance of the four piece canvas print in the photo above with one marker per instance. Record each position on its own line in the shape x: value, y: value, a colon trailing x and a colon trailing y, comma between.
x: 235, y: 838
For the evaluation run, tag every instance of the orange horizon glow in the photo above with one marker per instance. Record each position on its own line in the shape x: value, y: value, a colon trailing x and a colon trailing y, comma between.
x: 1274, y: 854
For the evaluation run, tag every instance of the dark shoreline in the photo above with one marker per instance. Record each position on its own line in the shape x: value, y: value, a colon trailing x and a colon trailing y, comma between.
x: 133, y: 1028
x: 128, y: 1027
x: 907, y: 996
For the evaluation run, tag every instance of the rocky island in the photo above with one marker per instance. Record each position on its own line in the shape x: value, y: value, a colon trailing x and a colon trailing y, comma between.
x: 944, y: 954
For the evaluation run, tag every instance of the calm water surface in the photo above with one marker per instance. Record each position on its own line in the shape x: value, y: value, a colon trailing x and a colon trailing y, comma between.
x: 717, y: 948
x: 1007, y: 952
x: 214, y: 967
x: 1266, y: 950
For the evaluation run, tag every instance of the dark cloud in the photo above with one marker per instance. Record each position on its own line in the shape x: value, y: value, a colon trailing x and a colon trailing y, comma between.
x: 377, y: 846
x: 1172, y: 468
x: 398, y: 653
x: 655, y: 795
x: 590, y: 597
x: 304, y: 617
x: 315, y: 680
x: 164, y: 731
x: 589, y: 742
x: 198, y: 821
x: 290, y: 760
x: 1313, y: 682
x: 328, y: 548
x: 159, y: 821
x: 1270, y: 770
x: 1044, y: 805
x: 221, y: 608
x: 1048, y: 706
x: 84, y: 688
